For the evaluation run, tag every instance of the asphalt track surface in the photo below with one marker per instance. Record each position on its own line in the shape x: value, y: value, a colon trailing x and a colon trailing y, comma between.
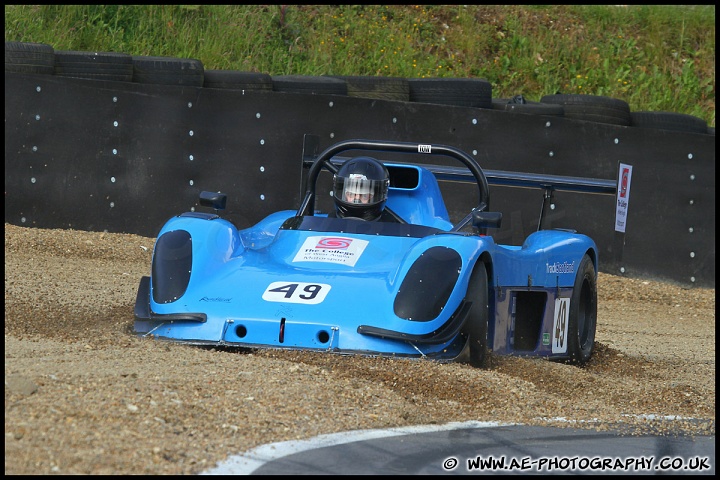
x: 479, y: 448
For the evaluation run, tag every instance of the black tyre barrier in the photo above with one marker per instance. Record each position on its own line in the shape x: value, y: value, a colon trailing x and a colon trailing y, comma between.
x: 518, y: 104
x: 309, y: 84
x: 381, y: 88
x: 669, y: 121
x: 168, y: 71
x: 237, y: 80
x: 93, y: 65
x: 592, y: 108
x: 464, y: 92
x: 23, y: 57
x: 74, y: 166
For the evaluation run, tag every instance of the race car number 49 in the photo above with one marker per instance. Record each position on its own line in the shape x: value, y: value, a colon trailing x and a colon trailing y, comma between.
x: 296, y: 292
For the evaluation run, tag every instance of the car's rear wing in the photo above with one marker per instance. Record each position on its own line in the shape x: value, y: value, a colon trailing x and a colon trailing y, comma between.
x: 528, y: 180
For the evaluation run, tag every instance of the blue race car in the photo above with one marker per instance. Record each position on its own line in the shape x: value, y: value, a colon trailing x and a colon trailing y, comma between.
x: 401, y: 280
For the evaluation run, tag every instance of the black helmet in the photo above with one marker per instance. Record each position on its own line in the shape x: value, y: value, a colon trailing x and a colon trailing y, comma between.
x: 360, y: 188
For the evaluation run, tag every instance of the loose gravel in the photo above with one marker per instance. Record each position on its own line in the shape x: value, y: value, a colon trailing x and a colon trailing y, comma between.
x: 83, y: 395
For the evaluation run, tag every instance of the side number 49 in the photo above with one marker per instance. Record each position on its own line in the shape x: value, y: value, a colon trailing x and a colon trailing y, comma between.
x: 560, y: 329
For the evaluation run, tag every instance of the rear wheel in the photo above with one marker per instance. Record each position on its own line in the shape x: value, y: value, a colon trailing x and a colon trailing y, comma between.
x: 583, y: 314
x: 476, y: 326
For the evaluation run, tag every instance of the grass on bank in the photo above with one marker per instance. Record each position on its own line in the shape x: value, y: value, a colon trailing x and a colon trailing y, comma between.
x: 654, y: 57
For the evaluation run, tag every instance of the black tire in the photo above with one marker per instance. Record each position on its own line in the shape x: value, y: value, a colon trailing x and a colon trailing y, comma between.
x: 94, y: 65
x: 499, y: 103
x: 168, y: 71
x: 475, y: 329
x: 669, y: 121
x: 23, y: 57
x: 309, y: 84
x: 593, y: 108
x: 237, y: 80
x: 518, y: 104
x: 532, y: 108
x: 464, y: 92
x: 582, y: 318
x: 380, y: 88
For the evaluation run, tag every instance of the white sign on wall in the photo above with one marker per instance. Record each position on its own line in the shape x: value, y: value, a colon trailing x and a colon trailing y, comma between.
x: 623, y: 197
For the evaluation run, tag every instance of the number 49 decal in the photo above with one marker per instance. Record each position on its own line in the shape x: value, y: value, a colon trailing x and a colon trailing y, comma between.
x: 296, y: 292
x: 560, y: 327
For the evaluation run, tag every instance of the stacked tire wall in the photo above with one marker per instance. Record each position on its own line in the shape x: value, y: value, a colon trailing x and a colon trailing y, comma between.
x: 112, y: 142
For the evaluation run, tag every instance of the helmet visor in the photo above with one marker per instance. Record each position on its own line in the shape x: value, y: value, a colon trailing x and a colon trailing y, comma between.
x: 358, y: 189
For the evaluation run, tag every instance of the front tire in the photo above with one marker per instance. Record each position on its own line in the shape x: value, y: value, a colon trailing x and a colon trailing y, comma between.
x: 583, y: 314
x: 475, y: 329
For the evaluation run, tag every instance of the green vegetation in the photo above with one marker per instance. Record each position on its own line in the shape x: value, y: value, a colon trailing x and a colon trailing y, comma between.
x: 659, y: 58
